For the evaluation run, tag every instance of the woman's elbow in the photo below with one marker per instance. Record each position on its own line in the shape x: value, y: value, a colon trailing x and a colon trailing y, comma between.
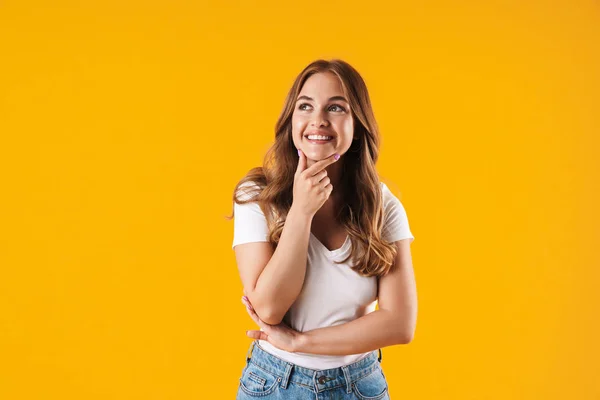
x: 269, y: 316
x: 405, y: 333
x: 406, y: 337
x: 265, y: 309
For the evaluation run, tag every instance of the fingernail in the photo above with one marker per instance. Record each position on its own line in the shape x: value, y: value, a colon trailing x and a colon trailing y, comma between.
x: 245, y: 298
x: 337, y: 157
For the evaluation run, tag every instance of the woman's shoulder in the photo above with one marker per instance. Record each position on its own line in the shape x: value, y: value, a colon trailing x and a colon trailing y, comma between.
x: 390, y: 199
x: 386, y: 192
x: 248, y: 190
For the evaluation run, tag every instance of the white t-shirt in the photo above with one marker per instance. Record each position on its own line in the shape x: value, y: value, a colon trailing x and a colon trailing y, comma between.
x: 332, y: 294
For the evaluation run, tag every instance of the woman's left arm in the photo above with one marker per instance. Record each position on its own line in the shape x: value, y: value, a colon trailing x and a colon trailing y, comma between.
x: 393, y: 323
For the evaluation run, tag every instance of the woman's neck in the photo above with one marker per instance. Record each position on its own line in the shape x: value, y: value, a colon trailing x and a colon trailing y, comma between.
x: 334, y: 173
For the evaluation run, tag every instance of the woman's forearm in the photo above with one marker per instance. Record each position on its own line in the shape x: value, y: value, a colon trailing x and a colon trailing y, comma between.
x: 377, y: 329
x: 281, y: 281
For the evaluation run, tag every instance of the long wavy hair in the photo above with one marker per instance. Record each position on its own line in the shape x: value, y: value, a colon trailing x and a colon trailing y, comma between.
x: 271, y: 185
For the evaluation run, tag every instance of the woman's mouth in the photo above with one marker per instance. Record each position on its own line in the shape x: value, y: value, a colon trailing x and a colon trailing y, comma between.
x: 319, y: 139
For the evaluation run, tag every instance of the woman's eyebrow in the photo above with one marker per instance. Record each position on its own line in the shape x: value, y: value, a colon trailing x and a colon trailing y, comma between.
x: 330, y: 99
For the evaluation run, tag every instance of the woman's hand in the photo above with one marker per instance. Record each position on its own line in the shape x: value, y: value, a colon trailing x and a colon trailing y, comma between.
x: 312, y: 186
x: 280, y: 335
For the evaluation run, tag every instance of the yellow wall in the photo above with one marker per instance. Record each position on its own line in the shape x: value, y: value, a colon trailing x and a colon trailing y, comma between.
x: 124, y: 128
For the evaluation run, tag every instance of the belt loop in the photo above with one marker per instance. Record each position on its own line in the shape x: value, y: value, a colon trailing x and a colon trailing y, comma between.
x: 286, y: 375
x: 380, y: 356
x: 249, y: 352
x: 348, y: 381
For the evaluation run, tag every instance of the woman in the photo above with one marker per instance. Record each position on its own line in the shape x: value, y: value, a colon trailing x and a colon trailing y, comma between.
x: 319, y: 240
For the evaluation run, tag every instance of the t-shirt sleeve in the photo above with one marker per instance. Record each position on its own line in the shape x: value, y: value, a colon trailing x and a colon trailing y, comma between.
x: 249, y: 223
x: 396, y: 225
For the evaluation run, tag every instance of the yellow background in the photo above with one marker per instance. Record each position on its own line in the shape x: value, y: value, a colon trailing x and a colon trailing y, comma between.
x: 125, y: 126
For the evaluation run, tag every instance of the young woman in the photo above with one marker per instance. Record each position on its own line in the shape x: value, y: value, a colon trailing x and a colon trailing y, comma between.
x: 319, y: 241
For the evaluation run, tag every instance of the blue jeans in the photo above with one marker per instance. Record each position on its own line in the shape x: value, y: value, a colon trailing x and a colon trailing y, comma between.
x: 267, y: 377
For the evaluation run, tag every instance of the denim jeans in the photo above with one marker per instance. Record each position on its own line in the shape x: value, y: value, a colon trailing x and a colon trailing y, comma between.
x: 266, y: 377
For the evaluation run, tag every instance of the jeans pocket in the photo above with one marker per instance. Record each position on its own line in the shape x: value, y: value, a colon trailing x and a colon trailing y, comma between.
x: 255, y: 381
x: 371, y: 387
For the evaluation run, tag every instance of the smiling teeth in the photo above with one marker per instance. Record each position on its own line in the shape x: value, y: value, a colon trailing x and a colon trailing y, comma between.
x: 317, y: 137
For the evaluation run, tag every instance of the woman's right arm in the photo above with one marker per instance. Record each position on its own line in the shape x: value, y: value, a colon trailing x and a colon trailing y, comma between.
x: 273, y: 279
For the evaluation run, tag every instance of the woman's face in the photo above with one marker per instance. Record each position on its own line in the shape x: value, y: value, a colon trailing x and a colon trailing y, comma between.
x: 322, y: 109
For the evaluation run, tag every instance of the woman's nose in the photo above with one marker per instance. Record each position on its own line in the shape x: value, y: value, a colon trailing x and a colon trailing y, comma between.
x: 319, y: 120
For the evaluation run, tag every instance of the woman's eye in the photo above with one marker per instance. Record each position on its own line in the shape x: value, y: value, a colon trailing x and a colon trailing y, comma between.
x: 338, y: 106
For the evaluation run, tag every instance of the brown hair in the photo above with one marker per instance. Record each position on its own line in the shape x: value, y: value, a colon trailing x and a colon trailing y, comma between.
x: 362, y: 214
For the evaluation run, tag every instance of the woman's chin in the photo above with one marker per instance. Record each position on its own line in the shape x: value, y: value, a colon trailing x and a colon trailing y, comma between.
x: 318, y: 153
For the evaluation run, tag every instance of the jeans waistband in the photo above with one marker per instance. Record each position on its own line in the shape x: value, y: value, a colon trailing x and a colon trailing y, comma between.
x: 319, y: 380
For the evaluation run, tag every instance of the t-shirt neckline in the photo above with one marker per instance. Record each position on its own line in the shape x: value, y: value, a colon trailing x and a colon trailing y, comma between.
x: 326, y: 250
